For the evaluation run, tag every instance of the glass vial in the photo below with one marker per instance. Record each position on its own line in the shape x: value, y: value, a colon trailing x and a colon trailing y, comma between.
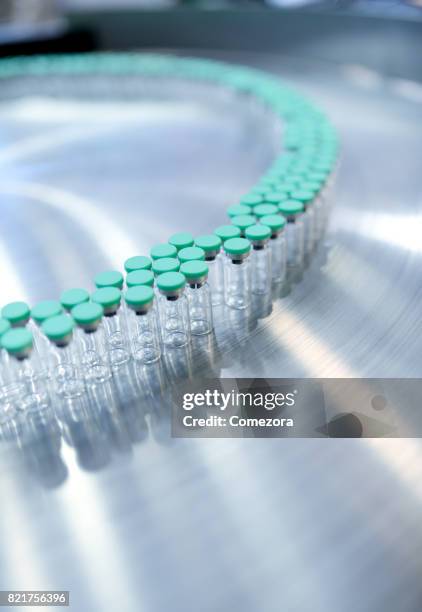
x: 26, y: 368
x: 142, y: 324
x: 277, y: 224
x: 64, y: 358
x: 199, y: 297
x: 90, y: 335
x: 211, y: 244
x: 237, y: 273
x: 293, y: 211
x: 173, y: 310
x: 259, y: 236
x: 114, y: 321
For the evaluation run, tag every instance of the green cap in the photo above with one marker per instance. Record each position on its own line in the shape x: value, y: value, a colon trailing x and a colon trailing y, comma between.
x: 291, y: 207
x: 109, y: 278
x: 17, y: 341
x: 251, y: 199
x: 107, y: 297
x: 181, y: 240
x: 314, y: 186
x: 163, y: 250
x: 208, y: 243
x: 16, y: 313
x: 167, y: 264
x: 72, y: 297
x: 87, y: 314
x: 258, y: 233
x: 194, y: 270
x: 139, y: 296
x: 4, y: 326
x: 59, y: 327
x: 139, y: 262
x: 140, y: 277
x: 265, y: 209
x: 237, y: 246
x: 243, y: 221
x: 274, y: 222
x: 275, y: 197
x: 303, y: 195
x: 225, y: 232
x: 238, y: 209
x: 171, y: 281
x: 44, y: 310
x: 191, y: 254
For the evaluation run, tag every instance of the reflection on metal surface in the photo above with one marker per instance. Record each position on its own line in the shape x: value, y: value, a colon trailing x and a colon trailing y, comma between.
x: 300, y: 520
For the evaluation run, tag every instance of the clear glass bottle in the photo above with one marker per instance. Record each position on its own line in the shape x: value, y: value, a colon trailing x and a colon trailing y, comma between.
x: 40, y: 313
x: 90, y: 334
x: 173, y: 310
x: 307, y: 196
x: 278, y: 246
x: 293, y: 211
x: 64, y: 356
x: 199, y: 297
x: 142, y: 323
x: 25, y: 365
x: 237, y: 273
x: 114, y: 321
x: 211, y: 245
x: 259, y: 235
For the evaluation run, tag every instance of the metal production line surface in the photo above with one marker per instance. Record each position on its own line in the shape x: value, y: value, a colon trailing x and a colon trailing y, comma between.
x: 151, y: 523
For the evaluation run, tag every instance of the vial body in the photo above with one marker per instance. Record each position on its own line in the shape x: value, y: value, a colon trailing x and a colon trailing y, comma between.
x: 309, y: 229
x: 261, y: 269
x: 30, y: 373
x: 237, y: 282
x: 295, y: 241
x: 216, y: 279
x: 319, y: 216
x: 90, y: 346
x: 64, y: 362
x: 144, y: 336
x: 278, y: 257
x: 174, y: 320
x: 200, y: 309
x: 115, y: 330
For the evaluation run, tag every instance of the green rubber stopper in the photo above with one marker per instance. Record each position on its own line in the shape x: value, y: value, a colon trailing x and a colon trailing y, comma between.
x: 72, y: 297
x: 238, y: 209
x: 163, y: 250
x: 274, y: 222
x: 167, y: 264
x: 194, y: 270
x: 291, y: 207
x: 171, y: 281
x: 265, y: 209
x: 139, y: 262
x: 243, y: 221
x: 208, y: 243
x: 138, y: 296
x: 225, y: 232
x: 191, y: 254
x: 140, y: 277
x: 181, y: 240
x: 58, y: 327
x: 303, y: 195
x: 87, y: 313
x: 275, y: 197
x: 107, y: 297
x: 237, y: 246
x: 46, y: 309
x: 258, y: 233
x: 109, y: 278
x: 251, y: 199
x: 17, y: 341
x: 17, y: 313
